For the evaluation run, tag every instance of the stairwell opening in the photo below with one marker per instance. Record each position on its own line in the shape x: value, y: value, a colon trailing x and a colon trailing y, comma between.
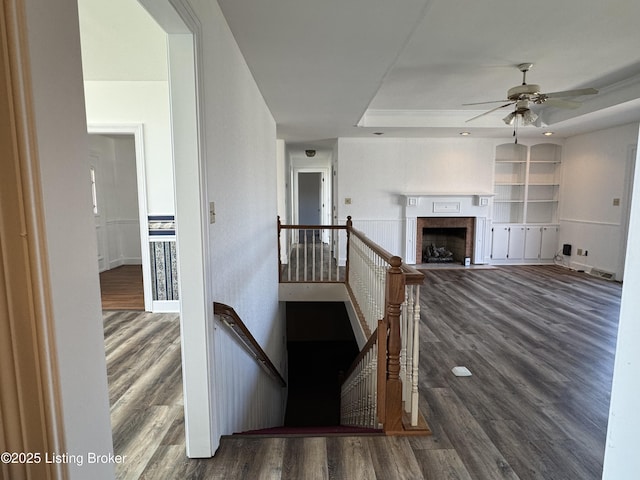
x: 320, y: 345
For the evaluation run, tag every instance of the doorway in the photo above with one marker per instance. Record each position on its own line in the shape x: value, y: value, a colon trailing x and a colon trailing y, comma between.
x: 309, y: 198
x: 118, y: 180
x: 310, y: 195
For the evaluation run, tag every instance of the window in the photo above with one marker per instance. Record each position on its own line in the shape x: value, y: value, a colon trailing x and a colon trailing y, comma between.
x: 94, y: 192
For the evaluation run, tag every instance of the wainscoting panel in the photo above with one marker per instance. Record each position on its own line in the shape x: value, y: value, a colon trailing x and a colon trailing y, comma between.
x: 246, y: 397
x: 389, y: 234
x: 386, y: 233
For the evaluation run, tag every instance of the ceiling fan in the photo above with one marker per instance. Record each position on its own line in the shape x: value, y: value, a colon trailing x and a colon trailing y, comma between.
x: 525, y: 95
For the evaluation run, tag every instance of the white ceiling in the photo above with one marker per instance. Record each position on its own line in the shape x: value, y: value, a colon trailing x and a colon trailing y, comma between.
x: 406, y: 67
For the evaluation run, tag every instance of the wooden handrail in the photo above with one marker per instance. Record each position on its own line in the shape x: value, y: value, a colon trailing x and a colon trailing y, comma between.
x: 241, y: 331
x: 312, y: 227
x: 412, y: 276
x: 386, y: 256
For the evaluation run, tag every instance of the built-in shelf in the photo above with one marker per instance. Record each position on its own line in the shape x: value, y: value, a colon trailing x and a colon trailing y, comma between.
x: 526, y: 183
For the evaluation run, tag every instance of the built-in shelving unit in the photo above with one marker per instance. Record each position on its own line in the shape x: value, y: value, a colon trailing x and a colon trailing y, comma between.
x: 510, y: 183
x: 543, y: 183
x: 525, y: 205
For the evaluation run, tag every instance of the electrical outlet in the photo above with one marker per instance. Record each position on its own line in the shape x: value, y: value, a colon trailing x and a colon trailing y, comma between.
x: 579, y: 251
x: 347, y: 201
x: 616, y: 202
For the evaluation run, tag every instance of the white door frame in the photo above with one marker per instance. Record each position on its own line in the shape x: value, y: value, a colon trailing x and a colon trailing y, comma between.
x: 325, y: 210
x: 632, y: 153
x: 177, y: 18
x: 137, y: 130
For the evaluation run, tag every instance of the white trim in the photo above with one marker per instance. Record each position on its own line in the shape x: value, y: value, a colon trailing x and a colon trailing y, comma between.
x: 166, y: 306
x: 40, y: 327
x: 180, y: 22
x: 137, y: 130
x: 632, y: 153
x: 325, y: 213
x: 590, y: 222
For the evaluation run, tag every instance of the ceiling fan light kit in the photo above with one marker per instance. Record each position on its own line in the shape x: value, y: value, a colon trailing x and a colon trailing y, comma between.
x: 522, y: 96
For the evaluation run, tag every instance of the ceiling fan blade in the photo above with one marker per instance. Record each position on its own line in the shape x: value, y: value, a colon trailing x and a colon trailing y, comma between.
x: 571, y: 93
x: 489, y: 111
x: 485, y: 103
x: 557, y: 102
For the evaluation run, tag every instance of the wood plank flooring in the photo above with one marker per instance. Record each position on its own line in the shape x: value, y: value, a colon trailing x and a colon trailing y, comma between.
x: 121, y: 288
x: 539, y: 341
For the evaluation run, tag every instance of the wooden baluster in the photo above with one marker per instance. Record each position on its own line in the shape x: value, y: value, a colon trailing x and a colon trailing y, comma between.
x: 395, y: 297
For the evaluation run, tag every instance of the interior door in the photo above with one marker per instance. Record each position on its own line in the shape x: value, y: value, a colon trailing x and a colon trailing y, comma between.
x: 98, y: 213
x: 309, y: 198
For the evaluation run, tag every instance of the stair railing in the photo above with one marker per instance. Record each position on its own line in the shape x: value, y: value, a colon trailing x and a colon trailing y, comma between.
x: 234, y: 323
x: 385, y: 294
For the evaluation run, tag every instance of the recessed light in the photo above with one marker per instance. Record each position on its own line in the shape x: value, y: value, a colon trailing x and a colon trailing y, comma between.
x: 465, y: 134
x: 378, y: 133
x: 547, y: 134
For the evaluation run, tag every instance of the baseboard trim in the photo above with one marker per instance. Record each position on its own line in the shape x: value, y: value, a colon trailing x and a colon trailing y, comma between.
x: 165, y: 306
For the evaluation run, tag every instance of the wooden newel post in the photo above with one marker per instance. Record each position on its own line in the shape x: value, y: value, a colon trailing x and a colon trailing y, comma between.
x: 279, y: 252
x: 346, y: 266
x: 395, y: 293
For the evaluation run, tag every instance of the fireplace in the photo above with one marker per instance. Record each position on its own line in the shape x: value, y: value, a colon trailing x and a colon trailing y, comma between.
x: 469, y: 211
x: 444, y: 239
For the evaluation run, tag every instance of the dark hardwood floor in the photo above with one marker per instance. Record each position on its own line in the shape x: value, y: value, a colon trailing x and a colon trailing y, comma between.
x: 539, y: 341
x: 121, y: 288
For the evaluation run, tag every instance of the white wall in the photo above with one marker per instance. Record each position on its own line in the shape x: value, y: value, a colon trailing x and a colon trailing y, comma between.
x: 373, y: 173
x: 127, y: 102
x: 240, y: 268
x: 595, y: 171
x: 298, y: 162
x: 60, y: 131
x: 622, y: 461
x: 118, y: 191
x: 241, y: 165
x: 124, y: 57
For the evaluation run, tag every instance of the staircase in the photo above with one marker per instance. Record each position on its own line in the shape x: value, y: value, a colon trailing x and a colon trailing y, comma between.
x: 321, y: 347
x: 380, y: 387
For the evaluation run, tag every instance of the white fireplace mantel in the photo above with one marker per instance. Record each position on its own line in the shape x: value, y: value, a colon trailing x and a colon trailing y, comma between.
x: 475, y: 205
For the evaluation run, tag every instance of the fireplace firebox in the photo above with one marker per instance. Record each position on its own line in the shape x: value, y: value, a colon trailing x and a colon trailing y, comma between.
x: 444, y: 239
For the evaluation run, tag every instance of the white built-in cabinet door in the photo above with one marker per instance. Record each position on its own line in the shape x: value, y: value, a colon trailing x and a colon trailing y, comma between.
x: 509, y: 242
x: 516, y: 242
x: 549, y: 243
x: 499, y: 242
x: 532, y: 242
